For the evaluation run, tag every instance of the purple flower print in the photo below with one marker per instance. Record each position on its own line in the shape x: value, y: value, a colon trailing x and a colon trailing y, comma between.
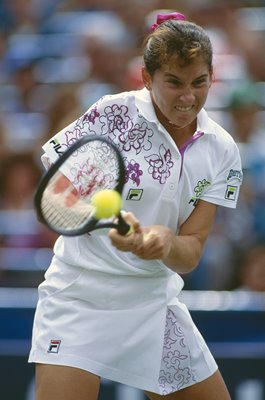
x: 133, y: 172
x: 91, y: 116
x: 160, y: 164
x: 183, y: 376
x: 173, y: 358
x: 137, y: 138
x: 81, y: 128
x: 168, y: 341
x: 165, y: 378
x: 115, y: 120
x: 70, y: 137
x: 176, y: 371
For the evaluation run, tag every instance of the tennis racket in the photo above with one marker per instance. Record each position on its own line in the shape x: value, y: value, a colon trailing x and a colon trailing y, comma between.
x: 63, y: 196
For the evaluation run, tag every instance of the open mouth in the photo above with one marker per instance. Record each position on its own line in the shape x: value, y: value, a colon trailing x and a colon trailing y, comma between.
x: 183, y: 109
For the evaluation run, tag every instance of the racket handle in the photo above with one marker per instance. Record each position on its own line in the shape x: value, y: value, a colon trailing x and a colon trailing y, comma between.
x: 123, y: 228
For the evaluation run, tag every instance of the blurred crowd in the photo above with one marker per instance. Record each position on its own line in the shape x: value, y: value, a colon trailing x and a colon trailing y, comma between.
x: 57, y: 57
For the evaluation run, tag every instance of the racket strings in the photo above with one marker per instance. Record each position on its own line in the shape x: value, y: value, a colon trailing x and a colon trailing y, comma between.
x: 70, y: 208
x: 96, y: 172
x: 59, y: 215
x: 62, y: 217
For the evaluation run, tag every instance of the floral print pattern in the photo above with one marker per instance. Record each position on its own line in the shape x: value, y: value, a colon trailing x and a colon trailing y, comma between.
x: 160, y: 164
x: 91, y: 116
x: 133, y: 172
x: 176, y: 371
x: 114, y: 122
x: 137, y: 138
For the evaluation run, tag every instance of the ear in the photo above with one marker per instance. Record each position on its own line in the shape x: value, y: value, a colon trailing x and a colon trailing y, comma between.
x: 146, y: 78
x: 211, y: 76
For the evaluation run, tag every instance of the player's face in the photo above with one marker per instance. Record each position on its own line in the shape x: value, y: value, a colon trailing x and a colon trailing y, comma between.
x: 179, y: 92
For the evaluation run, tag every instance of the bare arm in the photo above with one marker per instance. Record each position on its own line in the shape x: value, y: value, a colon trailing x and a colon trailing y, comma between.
x: 186, y: 249
x: 181, y: 252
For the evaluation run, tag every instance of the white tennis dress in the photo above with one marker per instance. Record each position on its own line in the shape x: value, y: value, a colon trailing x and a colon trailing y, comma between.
x: 110, y: 312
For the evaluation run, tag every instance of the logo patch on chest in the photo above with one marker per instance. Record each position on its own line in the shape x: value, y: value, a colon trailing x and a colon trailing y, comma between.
x: 134, y: 194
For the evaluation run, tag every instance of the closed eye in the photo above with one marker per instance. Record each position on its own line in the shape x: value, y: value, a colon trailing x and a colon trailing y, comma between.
x: 200, y: 82
x: 174, y: 82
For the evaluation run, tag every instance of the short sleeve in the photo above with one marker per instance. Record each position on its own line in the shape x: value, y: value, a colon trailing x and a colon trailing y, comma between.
x: 225, y: 187
x: 87, y: 124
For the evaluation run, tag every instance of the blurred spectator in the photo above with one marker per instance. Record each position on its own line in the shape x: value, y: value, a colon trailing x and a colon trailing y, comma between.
x: 24, y: 81
x: 133, y: 13
x: 230, y: 35
x: 65, y: 108
x: 3, y: 66
x: 250, y: 272
x: 18, y: 93
x: 17, y: 16
x: 245, y: 105
x: 26, y: 16
x: 19, y: 175
x: 3, y: 142
x: 108, y: 63
x: 21, y: 235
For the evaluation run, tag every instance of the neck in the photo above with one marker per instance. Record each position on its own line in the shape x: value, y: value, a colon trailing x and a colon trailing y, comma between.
x: 162, y: 118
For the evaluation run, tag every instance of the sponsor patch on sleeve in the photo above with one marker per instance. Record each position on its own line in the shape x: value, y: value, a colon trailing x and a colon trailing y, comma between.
x: 235, y: 174
x: 231, y: 192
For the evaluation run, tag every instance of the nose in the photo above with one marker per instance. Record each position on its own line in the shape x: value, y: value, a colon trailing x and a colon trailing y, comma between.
x: 187, y: 95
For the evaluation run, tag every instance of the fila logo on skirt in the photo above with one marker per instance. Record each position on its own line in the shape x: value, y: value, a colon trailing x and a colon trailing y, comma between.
x: 54, y: 346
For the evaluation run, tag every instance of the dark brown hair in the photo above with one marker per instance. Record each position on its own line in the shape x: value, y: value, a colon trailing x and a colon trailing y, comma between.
x: 175, y: 39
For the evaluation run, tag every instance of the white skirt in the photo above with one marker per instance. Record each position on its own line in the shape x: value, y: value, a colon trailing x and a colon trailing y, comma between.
x: 152, y: 345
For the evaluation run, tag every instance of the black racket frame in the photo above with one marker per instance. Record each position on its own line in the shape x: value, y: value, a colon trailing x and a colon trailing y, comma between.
x: 92, y: 223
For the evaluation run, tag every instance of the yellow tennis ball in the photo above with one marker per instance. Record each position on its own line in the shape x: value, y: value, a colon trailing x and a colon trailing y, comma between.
x: 107, y: 203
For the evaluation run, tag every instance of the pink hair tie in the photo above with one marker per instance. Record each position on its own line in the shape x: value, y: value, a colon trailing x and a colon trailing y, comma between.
x: 164, y: 17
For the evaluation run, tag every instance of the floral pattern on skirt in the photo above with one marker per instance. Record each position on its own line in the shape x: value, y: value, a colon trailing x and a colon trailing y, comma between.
x: 176, y: 372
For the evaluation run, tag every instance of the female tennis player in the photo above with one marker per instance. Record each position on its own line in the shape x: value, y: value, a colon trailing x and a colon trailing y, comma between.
x: 109, y: 306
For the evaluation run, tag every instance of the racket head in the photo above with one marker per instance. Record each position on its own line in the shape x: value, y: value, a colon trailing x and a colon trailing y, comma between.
x: 67, y: 210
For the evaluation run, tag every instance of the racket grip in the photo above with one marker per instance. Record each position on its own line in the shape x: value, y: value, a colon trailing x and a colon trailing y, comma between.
x: 123, y: 228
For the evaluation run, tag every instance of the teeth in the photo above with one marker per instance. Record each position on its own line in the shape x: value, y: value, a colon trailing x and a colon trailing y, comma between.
x: 179, y: 108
